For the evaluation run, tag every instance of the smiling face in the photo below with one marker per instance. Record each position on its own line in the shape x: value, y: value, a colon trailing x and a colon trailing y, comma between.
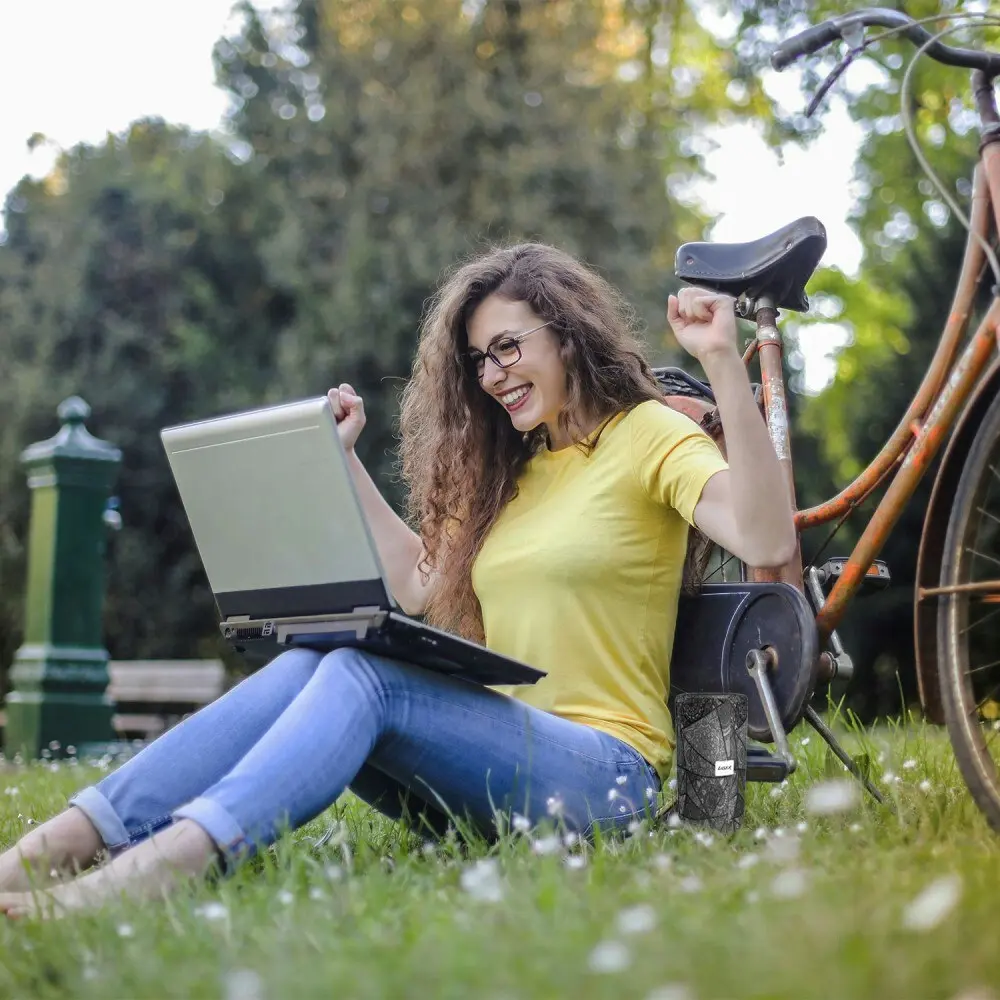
x: 533, y: 389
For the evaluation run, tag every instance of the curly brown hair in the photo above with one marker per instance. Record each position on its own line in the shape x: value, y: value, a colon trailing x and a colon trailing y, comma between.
x: 460, y: 454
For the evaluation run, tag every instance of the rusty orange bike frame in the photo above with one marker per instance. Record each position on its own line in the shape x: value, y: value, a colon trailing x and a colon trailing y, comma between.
x: 935, y: 409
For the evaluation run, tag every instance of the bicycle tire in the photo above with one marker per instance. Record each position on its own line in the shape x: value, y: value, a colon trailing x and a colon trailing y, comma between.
x: 971, y: 551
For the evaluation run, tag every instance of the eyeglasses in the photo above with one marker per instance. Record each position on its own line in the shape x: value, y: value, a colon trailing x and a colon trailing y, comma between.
x: 504, y: 353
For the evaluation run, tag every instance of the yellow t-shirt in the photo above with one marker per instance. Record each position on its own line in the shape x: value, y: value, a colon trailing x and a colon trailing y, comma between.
x: 581, y: 573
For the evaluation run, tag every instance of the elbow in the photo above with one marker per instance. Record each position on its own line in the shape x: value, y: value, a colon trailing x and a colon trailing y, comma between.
x: 786, y: 553
x: 410, y: 605
x: 790, y: 549
x: 778, y: 553
x: 415, y: 594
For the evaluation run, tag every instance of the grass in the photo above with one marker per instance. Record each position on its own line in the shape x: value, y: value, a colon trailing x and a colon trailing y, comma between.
x: 779, y: 910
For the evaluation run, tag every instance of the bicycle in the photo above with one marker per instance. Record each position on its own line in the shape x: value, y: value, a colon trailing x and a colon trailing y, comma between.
x: 957, y: 597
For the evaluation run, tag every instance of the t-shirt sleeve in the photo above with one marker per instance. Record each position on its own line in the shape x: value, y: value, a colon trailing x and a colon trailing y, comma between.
x: 673, y: 458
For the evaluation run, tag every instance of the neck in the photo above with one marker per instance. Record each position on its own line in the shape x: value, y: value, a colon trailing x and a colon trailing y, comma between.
x: 561, y: 437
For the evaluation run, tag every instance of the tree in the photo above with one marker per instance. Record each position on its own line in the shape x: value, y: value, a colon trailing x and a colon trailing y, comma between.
x: 130, y: 276
x: 395, y: 140
x: 165, y: 277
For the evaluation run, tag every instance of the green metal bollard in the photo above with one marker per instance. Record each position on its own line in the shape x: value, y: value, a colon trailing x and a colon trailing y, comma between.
x: 60, y: 675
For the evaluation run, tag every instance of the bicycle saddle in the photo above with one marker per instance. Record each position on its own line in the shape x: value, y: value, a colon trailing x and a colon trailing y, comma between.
x: 777, y: 266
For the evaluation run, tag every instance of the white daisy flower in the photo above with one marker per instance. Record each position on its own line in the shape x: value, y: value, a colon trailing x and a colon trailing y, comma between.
x: 690, y: 884
x: 212, y: 912
x: 931, y: 906
x: 636, y: 919
x: 831, y: 797
x: 789, y: 884
x: 672, y: 991
x: 481, y: 880
x: 242, y: 984
x: 546, y: 845
x: 609, y: 957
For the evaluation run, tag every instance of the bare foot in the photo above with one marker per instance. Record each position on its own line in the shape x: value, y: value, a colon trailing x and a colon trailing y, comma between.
x: 45, y: 904
x: 149, y: 870
x: 63, y: 845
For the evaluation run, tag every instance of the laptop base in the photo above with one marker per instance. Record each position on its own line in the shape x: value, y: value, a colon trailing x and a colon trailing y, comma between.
x: 383, y: 633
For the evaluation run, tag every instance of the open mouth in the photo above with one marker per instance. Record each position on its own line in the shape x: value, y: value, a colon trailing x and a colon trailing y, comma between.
x: 515, y: 399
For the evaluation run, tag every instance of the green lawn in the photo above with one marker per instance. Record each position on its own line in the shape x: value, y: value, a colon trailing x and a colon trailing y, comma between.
x: 796, y: 905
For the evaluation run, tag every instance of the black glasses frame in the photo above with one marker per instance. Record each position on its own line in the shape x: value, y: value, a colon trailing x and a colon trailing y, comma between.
x: 479, y: 358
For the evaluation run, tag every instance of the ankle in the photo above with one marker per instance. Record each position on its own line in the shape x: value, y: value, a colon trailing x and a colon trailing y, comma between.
x: 67, y: 841
x: 33, y: 851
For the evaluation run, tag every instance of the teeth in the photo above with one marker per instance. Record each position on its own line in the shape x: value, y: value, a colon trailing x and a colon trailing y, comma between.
x: 512, y: 397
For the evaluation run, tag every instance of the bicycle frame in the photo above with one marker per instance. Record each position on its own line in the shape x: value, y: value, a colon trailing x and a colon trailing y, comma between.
x: 933, y: 412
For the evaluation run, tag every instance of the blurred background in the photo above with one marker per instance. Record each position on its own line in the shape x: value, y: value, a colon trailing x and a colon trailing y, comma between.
x: 212, y: 207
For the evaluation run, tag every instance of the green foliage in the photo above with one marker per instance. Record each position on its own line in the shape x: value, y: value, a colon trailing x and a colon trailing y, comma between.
x: 393, y: 142
x: 372, y: 144
x: 130, y: 276
x: 165, y: 275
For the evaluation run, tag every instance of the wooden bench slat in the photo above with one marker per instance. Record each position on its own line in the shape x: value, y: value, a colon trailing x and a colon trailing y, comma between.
x: 198, y: 682
x: 164, y: 687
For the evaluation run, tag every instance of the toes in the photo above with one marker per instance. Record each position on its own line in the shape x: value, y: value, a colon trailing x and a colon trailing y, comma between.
x: 13, y: 904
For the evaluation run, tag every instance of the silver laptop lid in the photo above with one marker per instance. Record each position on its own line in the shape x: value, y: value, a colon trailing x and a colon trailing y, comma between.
x: 275, y: 516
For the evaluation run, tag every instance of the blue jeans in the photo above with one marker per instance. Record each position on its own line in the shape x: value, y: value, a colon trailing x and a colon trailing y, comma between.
x: 282, y: 745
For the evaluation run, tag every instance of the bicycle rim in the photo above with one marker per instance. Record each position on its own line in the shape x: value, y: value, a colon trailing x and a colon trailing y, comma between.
x: 969, y: 621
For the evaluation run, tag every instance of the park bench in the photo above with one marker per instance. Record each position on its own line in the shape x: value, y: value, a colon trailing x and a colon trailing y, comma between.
x: 150, y: 696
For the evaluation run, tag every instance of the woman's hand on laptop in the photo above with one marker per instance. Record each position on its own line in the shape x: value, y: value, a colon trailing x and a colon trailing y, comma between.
x: 349, y: 412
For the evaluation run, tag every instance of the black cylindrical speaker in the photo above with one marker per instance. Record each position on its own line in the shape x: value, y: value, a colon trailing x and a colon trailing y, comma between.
x: 711, y: 759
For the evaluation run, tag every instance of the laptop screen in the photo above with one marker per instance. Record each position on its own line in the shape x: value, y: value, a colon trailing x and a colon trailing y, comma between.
x: 275, y: 516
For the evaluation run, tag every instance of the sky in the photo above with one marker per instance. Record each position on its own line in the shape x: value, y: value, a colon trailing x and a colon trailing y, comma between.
x: 113, y: 61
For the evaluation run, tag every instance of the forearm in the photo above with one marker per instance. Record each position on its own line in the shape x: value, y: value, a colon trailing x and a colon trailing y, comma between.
x: 399, y: 548
x: 761, y: 504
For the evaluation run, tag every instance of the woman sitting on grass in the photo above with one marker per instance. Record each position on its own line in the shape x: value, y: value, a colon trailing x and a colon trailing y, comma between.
x: 554, y: 493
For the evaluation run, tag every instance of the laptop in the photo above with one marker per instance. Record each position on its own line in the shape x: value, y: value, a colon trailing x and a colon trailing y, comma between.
x: 288, y: 551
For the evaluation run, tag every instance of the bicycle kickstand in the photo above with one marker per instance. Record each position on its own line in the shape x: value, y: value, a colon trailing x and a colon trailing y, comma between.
x: 812, y: 717
x: 757, y: 664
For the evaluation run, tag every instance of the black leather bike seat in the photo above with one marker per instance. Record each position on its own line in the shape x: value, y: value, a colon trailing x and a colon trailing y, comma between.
x: 778, y: 265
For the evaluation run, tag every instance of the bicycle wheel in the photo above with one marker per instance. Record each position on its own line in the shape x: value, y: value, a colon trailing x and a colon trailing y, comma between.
x: 724, y: 567
x: 969, y: 619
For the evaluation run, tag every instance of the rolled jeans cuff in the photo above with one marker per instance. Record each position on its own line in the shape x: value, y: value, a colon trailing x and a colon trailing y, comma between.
x: 101, y: 813
x: 217, y: 822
